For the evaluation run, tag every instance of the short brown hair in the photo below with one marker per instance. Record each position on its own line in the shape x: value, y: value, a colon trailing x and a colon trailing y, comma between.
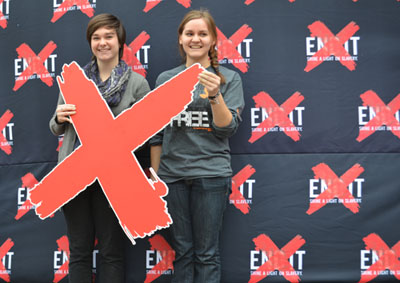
x: 108, y: 21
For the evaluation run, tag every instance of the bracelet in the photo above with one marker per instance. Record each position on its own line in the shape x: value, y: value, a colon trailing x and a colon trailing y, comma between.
x: 213, y: 99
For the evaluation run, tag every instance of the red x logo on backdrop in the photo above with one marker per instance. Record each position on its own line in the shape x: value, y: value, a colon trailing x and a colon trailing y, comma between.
x: 4, y: 144
x: 130, y: 53
x: 28, y: 181
x: 108, y: 158
x: 150, y: 4
x: 158, y: 243
x: 227, y: 47
x: 236, y: 196
x: 385, y: 115
x: 4, y: 249
x: 333, y: 45
x: 277, y: 259
x: 387, y: 258
x: 63, y: 246
x: 35, y: 64
x: 3, y: 20
x: 277, y: 115
x: 336, y: 187
x: 83, y: 5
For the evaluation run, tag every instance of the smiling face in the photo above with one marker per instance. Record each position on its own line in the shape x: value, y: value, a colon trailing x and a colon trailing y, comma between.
x: 105, y: 46
x: 196, y: 41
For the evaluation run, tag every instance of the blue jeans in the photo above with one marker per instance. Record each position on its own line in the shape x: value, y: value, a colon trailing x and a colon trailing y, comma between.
x: 196, y: 207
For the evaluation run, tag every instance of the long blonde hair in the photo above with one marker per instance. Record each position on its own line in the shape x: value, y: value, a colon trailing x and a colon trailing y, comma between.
x: 212, y: 53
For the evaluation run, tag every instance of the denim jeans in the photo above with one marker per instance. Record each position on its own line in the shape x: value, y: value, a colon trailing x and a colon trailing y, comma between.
x: 196, y: 207
x: 89, y: 215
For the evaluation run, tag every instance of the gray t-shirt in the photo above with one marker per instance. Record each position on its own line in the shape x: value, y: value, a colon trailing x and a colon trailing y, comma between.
x: 192, y: 145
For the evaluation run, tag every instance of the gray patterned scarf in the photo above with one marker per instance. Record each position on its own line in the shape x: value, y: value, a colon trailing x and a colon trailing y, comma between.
x: 114, y: 87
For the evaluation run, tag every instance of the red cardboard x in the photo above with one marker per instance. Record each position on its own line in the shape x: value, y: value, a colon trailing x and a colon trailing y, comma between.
x: 106, y: 150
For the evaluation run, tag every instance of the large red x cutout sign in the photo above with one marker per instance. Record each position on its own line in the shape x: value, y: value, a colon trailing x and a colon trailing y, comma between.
x: 236, y: 196
x: 150, y: 4
x: 4, y: 144
x: 333, y: 44
x: 158, y: 243
x: 84, y: 5
x: 3, y: 20
x: 277, y: 259
x: 337, y: 187
x: 277, y: 115
x: 387, y: 258
x: 63, y: 246
x: 35, y: 64
x: 385, y: 115
x: 106, y: 151
x: 4, y: 249
x: 129, y: 53
x: 227, y: 47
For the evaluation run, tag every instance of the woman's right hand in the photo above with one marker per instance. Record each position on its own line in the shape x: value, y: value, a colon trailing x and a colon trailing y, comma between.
x: 63, y: 113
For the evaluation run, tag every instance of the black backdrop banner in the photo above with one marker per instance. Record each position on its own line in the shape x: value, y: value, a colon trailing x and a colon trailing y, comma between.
x: 315, y: 160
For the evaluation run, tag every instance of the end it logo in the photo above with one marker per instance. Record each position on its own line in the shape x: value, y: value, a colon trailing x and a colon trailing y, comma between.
x: 61, y: 259
x: 61, y: 7
x: 242, y: 189
x: 30, y: 66
x: 6, y: 132
x: 4, y: 13
x: 138, y: 52
x: 150, y: 4
x: 159, y: 259
x: 268, y: 116
x: 374, y: 115
x: 6, y: 259
x: 327, y: 187
x: 268, y: 260
x: 324, y: 46
x: 235, y: 50
x: 378, y: 259
x: 23, y: 202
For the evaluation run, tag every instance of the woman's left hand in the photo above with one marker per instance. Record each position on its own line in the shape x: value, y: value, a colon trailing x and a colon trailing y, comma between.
x: 210, y: 81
